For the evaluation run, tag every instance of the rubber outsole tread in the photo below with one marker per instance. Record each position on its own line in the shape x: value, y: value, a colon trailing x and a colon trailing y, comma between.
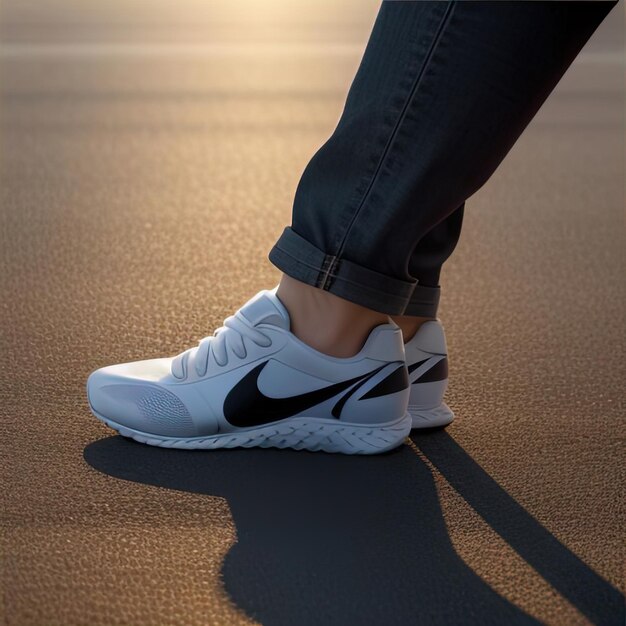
x: 302, y: 433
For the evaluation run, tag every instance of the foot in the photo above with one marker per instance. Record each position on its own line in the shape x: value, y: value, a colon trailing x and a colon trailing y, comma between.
x: 254, y: 383
x: 427, y: 362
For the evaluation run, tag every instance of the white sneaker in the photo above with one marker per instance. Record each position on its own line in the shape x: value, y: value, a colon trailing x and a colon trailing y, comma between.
x: 427, y: 362
x: 253, y: 383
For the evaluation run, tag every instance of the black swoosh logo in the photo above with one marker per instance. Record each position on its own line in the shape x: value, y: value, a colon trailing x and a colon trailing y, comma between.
x: 346, y: 396
x: 246, y: 406
x: 439, y: 371
x: 414, y: 366
x: 397, y: 381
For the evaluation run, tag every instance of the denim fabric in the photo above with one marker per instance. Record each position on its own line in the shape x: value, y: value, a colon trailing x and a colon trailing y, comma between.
x: 443, y: 91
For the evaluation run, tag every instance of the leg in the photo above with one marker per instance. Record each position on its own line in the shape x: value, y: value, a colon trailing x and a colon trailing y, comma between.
x: 429, y: 255
x: 442, y: 94
x: 425, y: 342
x: 332, y: 325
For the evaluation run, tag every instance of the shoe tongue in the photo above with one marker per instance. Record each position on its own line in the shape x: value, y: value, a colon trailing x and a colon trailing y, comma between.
x: 266, y: 308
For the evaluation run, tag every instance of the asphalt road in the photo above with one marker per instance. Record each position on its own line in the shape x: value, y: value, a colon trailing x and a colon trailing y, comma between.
x: 145, y: 170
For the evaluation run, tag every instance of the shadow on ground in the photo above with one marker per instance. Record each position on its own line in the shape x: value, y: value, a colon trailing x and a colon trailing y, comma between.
x: 330, y: 539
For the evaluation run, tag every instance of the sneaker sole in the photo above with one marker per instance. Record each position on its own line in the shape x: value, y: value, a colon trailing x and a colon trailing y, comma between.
x: 431, y: 418
x: 299, y: 433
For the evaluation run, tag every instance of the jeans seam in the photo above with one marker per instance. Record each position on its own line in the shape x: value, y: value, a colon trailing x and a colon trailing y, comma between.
x: 322, y: 272
x: 325, y: 271
x: 325, y: 283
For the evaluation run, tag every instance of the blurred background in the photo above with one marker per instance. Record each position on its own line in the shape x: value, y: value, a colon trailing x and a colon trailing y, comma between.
x: 149, y: 152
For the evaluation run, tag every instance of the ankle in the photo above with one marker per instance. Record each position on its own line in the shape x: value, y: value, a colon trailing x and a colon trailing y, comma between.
x: 325, y: 322
x: 409, y: 324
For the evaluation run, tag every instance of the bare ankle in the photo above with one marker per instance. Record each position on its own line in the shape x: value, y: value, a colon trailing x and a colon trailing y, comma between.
x: 325, y: 322
x: 409, y: 324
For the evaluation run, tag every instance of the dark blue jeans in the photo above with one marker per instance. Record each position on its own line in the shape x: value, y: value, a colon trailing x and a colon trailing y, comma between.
x: 442, y: 93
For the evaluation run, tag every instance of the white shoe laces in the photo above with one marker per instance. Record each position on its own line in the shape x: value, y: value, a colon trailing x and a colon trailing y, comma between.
x: 229, y: 337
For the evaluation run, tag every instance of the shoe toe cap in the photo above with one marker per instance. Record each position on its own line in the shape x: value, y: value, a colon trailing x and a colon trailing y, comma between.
x: 130, y: 395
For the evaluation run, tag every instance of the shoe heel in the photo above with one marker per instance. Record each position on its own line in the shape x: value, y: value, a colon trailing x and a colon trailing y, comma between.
x: 436, y: 417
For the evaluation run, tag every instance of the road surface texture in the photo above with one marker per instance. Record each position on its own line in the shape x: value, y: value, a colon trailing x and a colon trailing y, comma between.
x: 149, y: 156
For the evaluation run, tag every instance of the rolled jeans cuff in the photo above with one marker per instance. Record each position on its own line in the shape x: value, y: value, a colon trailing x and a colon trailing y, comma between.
x: 424, y: 301
x: 299, y: 258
